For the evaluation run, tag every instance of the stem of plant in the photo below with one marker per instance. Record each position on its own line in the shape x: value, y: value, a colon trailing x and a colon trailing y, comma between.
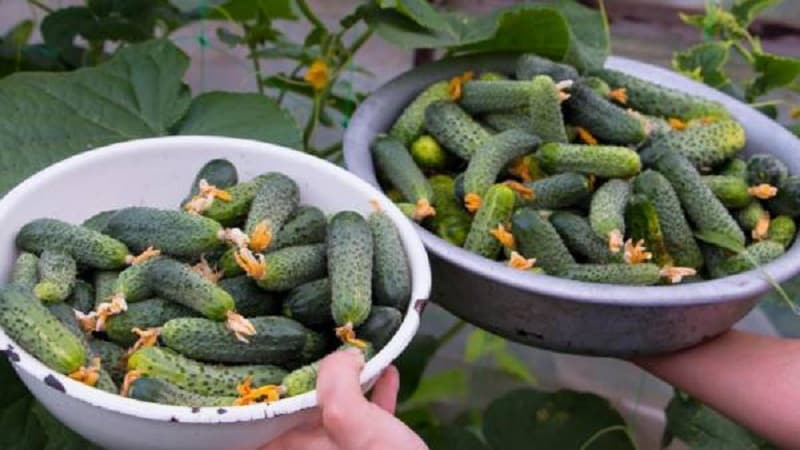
x: 256, y: 67
x: 744, y: 52
x: 603, y: 432
x: 293, y: 74
x: 41, y: 6
x: 450, y: 333
x: 311, y: 125
x: 310, y: 14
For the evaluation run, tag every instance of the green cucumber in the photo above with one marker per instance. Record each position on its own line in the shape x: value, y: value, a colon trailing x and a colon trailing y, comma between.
x: 290, y: 267
x: 755, y: 255
x: 99, y: 221
x: 307, y: 225
x: 177, y: 282
x: 714, y: 258
x: 787, y: 202
x: 428, y: 154
x: 350, y: 261
x: 600, y: 160
x: 782, y: 230
x: 250, y: 299
x: 606, y: 121
x: 26, y: 270
x: 395, y: 163
x: 530, y: 65
x: 598, y: 85
x: 705, y: 144
x: 411, y: 121
x: 197, y: 377
x: 220, y: 173
x: 154, y: 390
x: 381, y: 325
x: 643, y: 223
x: 546, y: 119
x: 82, y: 297
x: 731, y: 191
x: 496, y: 208
x: 86, y: 246
x: 736, y: 167
x: 234, y: 212
x: 454, y: 129
x: 408, y: 209
x: 310, y: 304
x: 273, y: 204
x: 175, y: 233
x: 508, y: 120
x: 451, y: 221
x: 133, y: 284
x: 579, y: 237
x: 750, y: 215
x: 559, y: 191
x: 57, y: 275
x: 607, y: 210
x: 104, y: 281
x: 537, y: 238
x: 111, y: 357
x: 145, y: 314
x: 764, y: 168
x: 492, y: 76
x: 479, y: 97
x: 304, y: 379
x: 227, y: 264
x: 487, y: 163
x: 615, y: 273
x: 391, y: 274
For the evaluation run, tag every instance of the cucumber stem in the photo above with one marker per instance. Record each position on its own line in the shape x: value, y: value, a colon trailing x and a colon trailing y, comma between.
x: 130, y: 377
x: 348, y: 336
x: 148, y: 253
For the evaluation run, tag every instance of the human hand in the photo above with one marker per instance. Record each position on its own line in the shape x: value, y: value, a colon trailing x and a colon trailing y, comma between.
x: 348, y: 420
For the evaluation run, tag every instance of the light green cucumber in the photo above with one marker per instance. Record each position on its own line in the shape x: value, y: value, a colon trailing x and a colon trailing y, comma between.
x: 643, y: 223
x: 99, y: 221
x: 749, y: 216
x: 530, y: 65
x: 381, y: 325
x: 177, y: 282
x: 391, y: 274
x: 782, y: 230
x: 731, y: 191
x: 598, y: 85
x: 496, y: 208
x: 57, y: 275
x: 705, y: 144
x: 614, y: 273
x: 227, y: 264
x: 411, y: 121
x: 273, y: 204
x: 599, y: 160
x: 395, y: 163
x: 607, y: 209
x: 350, y: 264
x: 111, y: 357
x: 492, y: 76
x: 304, y: 379
x: 133, y: 284
x: 479, y: 97
x: 753, y: 256
x: 579, y: 237
x: 546, y: 119
x: 82, y: 297
x: 86, y: 246
x: 427, y: 153
x: 250, y: 299
x: 736, y: 167
x: 451, y: 221
x: 559, y: 191
x: 499, y: 150
x: 537, y: 238
x: 290, y: 267
x: 26, y: 270
x: 787, y: 202
x: 145, y: 314
x: 104, y: 281
x: 154, y: 390
x: 508, y: 120
x: 763, y: 168
x: 233, y: 212
x: 220, y: 173
x: 454, y: 129
x: 408, y: 209
x: 606, y: 121
x: 310, y: 304
x: 307, y: 225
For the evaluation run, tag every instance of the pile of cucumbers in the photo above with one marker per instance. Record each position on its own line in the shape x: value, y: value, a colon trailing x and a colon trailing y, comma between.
x: 228, y: 300
x: 598, y: 177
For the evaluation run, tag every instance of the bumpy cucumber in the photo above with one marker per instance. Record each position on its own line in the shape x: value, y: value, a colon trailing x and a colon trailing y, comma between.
x: 605, y: 120
x: 579, y: 237
x: 154, y: 390
x: 177, y: 282
x: 753, y: 256
x: 714, y: 258
x: 678, y: 236
x: 537, y: 238
x: 146, y: 314
x: 489, y: 96
x: 782, y: 230
x: 396, y: 164
x: 391, y: 274
x: 559, y: 191
x: 614, y: 273
x: 249, y: 298
x: 290, y: 267
x: 496, y: 208
x: 57, y: 275
x: 410, y: 123
x: 736, y: 167
x: 111, y: 357
x: 26, y: 270
x: 234, y: 212
x: 657, y: 100
x: 304, y: 379
x: 381, y: 325
x: 173, y: 232
x: 133, y: 283
x: 197, y: 377
x: 217, y: 172
x: 607, y: 209
x: 307, y: 225
x: 310, y: 304
x: 451, y: 221
x: 546, y: 118
x: 99, y: 221
x: 530, y: 65
x: 508, y: 120
x: 487, y: 163
x: 787, y: 202
x: 765, y: 168
x: 277, y: 340
x: 82, y: 297
x: 350, y: 260
x: 598, y: 85
x: 643, y: 223
x: 600, y: 160
x: 86, y: 246
x: 731, y: 191
x: 227, y: 264
x: 104, y: 281
x: 427, y: 153
x: 706, y: 144
x: 28, y: 322
x: 749, y: 216
x: 454, y: 129
x: 273, y: 204
x: 492, y: 76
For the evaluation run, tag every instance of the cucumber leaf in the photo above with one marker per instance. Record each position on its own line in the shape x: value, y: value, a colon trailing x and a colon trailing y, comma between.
x: 59, y: 437
x: 773, y: 71
x: 719, y: 240
x: 451, y: 437
x: 412, y: 363
x: 481, y: 344
x: 441, y: 386
x: 704, y: 62
x: 747, y: 10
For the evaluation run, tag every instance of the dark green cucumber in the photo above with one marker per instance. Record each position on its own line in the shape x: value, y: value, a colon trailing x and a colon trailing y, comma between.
x: 579, y: 237
x: 154, y: 390
x: 82, y: 297
x: 26, y: 270
x: 86, y: 246
x: 175, y: 233
x: 606, y: 121
x: 29, y: 323
x: 598, y: 85
x: 234, y: 212
x: 614, y: 273
x: 782, y: 230
x: 310, y: 304
x: 220, y: 173
x: 99, y: 221
x: 104, y: 281
x: 607, y: 210
x: 499, y: 150
x: 411, y: 121
x: 537, y: 238
x: 381, y: 325
x: 714, y: 258
x: 273, y: 204
x: 731, y: 191
x: 227, y: 264
x: 197, y: 377
x: 530, y: 65
x: 277, y: 340
x: 133, y: 284
x: 705, y: 144
x: 600, y: 160
x: 508, y: 120
x: 249, y: 298
x: 145, y: 314
x: 290, y: 267
x: 678, y: 236
x: 111, y: 357
x: 307, y: 225
x: 391, y: 274
x: 496, y: 208
x: 643, y: 223
x: 736, y: 167
x: 177, y: 282
x: 350, y: 261
x: 395, y: 163
x: 547, y: 121
x: 787, y: 202
x: 559, y: 191
x: 454, y: 129
x: 479, y: 97
x: 451, y: 221
x: 755, y: 255
x: 428, y: 154
x: 764, y: 168
x: 57, y: 275
x: 750, y: 215
x: 304, y: 379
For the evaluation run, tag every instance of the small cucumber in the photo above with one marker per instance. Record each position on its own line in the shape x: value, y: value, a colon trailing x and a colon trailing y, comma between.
x: 99, y: 221
x: 154, y: 390
x: 598, y: 85
x: 765, y: 168
x: 111, y: 357
x: 272, y: 206
x: 731, y: 191
x: 307, y: 225
x: 26, y: 270
x: 428, y: 154
x: 750, y: 215
x: 82, y: 297
x: 177, y: 282
x: 782, y: 230
x: 234, y: 212
x: 479, y: 97
x: 391, y: 274
x: 537, y: 238
x: 28, y: 322
x: 559, y: 191
x: 175, y: 233
x: 396, y: 164
x: 227, y: 264
x: 249, y: 298
x: 643, y: 223
x: 492, y: 76
x: 451, y: 221
x: 607, y: 211
x: 614, y: 273
x: 217, y: 172
x: 509, y: 120
x: 753, y: 256
x: 579, y: 237
x: 197, y: 377
x: 381, y: 325
x: 736, y: 167
x: 57, y: 275
x: 496, y: 208
x: 133, y: 284
x: 499, y: 150
x: 350, y: 260
x: 304, y: 379
x: 600, y: 160
x: 290, y: 267
x: 546, y: 118
x: 530, y: 65
x: 605, y: 120
x: 705, y: 144
x: 454, y: 129
x: 146, y: 314
x: 310, y: 304
x: 411, y: 121
x: 86, y: 246
x: 104, y: 281
x: 787, y: 202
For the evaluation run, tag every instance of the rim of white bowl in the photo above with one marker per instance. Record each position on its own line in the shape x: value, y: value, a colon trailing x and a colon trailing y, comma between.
x: 418, y: 261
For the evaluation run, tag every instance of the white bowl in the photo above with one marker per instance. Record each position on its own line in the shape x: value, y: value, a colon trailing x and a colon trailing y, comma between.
x: 158, y: 172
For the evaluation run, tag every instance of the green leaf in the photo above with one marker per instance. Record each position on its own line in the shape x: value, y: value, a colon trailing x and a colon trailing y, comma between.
x: 704, y: 62
x: 720, y: 240
x: 20, y: 427
x: 795, y: 129
x: 702, y: 428
x: 300, y: 87
x: 278, y: 9
x: 412, y: 363
x: 60, y: 28
x: 12, y: 388
x: 20, y: 33
x: 693, y: 20
x: 481, y: 343
x: 774, y: 71
x: 59, y: 437
x: 589, y: 43
x: 560, y: 420
x: 421, y: 12
x: 746, y: 11
x: 229, y: 38
x: 244, y: 10
x: 446, y: 385
x: 452, y: 437
x: 513, y: 365
x: 403, y: 32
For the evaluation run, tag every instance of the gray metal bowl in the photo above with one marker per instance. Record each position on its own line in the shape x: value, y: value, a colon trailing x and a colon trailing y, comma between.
x: 564, y: 315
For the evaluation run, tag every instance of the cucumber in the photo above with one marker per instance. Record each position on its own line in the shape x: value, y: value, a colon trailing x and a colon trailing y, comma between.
x: 86, y: 246
x: 290, y: 267
x: 99, y: 221
x: 657, y: 100
x: 454, y: 129
x: 765, y: 168
x: 458, y: 189
x: 57, y: 275
x: 154, y: 390
x: 731, y: 191
x: 197, y: 377
x: 451, y: 221
x: 82, y: 297
x: 606, y: 121
x: 28, y: 322
x: 546, y: 119
x: 643, y: 223
x: 310, y: 304
x: 277, y: 340
x: 537, y: 238
x: 307, y: 225
x: 479, y: 97
x: 678, y: 236
x: 133, y: 284
x: 614, y: 273
x: 598, y: 85
x: 174, y: 281
x: 304, y: 379
x: 492, y: 76
x: 607, y: 212
x: 111, y: 357
x: 714, y: 258
x: 782, y: 230
x: 705, y: 144
x: 579, y: 237
x: 428, y: 154
x: 104, y: 281
x: 249, y: 298
x: 600, y: 160
x: 26, y: 270
x: 381, y: 325
x: 508, y: 120
x: 272, y: 206
x: 752, y: 257
x: 736, y: 167
x: 396, y: 164
x: 530, y: 65
x: 749, y: 216
x: 787, y: 202
x: 234, y: 212
x: 175, y: 233
x: 217, y: 172
x: 487, y: 163
x: 559, y: 191
x: 391, y: 274
x: 350, y: 263
x: 145, y: 314
x: 409, y: 210
x: 496, y: 209
x: 411, y: 121
x: 227, y: 264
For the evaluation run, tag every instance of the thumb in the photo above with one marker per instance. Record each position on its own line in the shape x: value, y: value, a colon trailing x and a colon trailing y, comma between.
x: 344, y: 407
